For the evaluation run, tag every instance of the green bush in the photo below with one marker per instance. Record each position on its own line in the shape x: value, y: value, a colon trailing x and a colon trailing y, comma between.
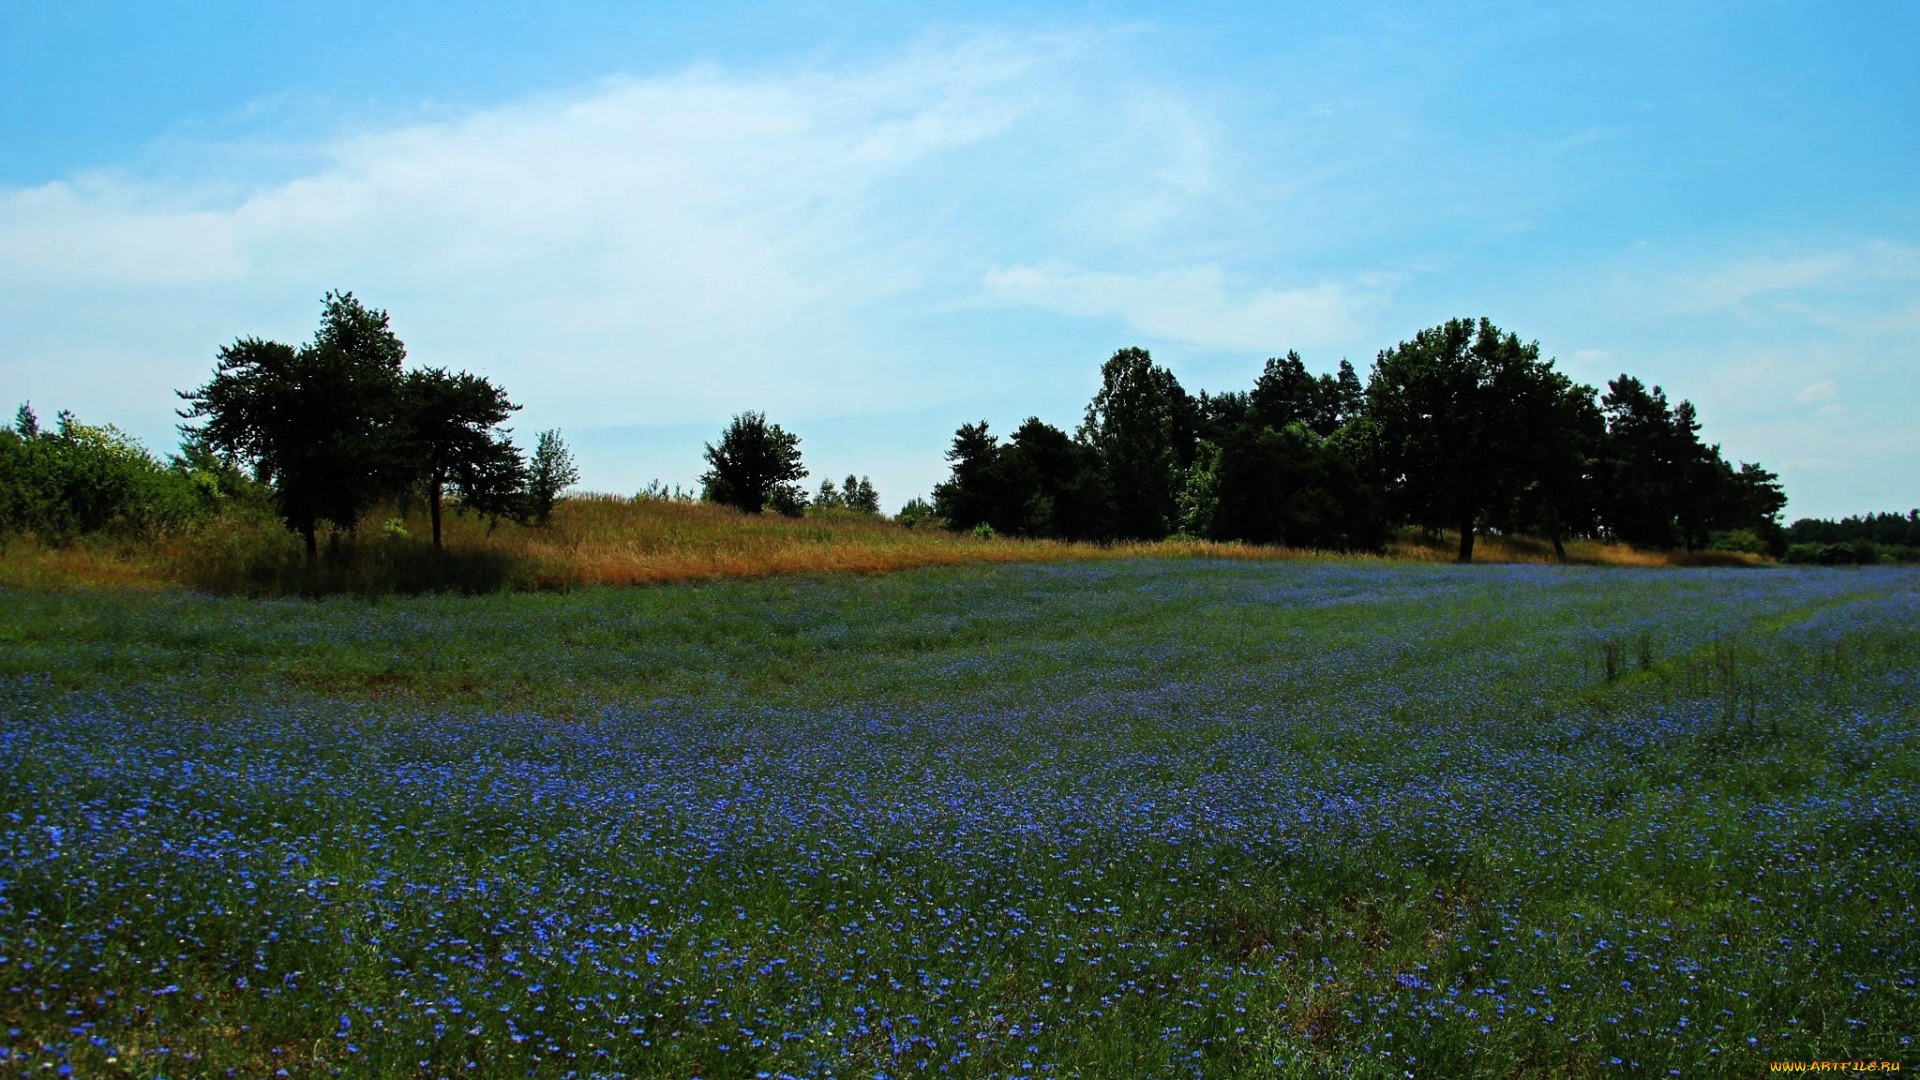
x: 82, y: 479
x: 1737, y: 540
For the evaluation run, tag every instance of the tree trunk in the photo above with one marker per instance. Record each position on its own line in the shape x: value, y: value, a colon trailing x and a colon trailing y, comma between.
x: 309, y: 533
x: 1466, y: 536
x: 1553, y: 532
x: 433, y: 509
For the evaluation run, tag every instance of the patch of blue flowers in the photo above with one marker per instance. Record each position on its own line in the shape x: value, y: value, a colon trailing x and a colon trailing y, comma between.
x: 1321, y: 820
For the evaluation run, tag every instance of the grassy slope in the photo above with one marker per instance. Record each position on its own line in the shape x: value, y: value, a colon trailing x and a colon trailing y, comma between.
x: 604, y: 540
x: 1115, y: 819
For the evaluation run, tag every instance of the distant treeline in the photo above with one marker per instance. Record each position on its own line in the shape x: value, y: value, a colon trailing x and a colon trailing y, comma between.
x: 1871, y: 538
x: 1464, y: 427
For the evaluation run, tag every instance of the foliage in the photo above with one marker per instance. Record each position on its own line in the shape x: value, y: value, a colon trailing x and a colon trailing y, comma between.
x: 318, y: 422
x: 755, y: 466
x: 1141, y: 425
x: 448, y: 429
x: 658, y: 491
x: 915, y: 511
x: 1892, y: 531
x: 550, y: 472
x: 971, y: 494
x: 80, y: 479
x: 1289, y: 487
x: 336, y: 425
x: 857, y: 495
x: 1458, y: 408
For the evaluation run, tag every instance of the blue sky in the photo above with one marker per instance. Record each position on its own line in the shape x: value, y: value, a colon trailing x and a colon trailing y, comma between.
x: 879, y: 222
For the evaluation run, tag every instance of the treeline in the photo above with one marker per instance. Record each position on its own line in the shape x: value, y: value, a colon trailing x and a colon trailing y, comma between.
x: 1463, y: 427
x: 1869, y: 538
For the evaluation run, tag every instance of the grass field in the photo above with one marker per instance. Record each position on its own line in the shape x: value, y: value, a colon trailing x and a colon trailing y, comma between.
x: 609, y: 540
x: 1124, y: 818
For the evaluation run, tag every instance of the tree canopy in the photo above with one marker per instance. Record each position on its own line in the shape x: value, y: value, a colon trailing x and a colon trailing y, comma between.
x: 754, y: 466
x: 1463, y: 427
x: 337, y: 424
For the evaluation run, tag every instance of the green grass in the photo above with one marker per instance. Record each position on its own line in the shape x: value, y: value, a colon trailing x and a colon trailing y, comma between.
x: 1114, y: 819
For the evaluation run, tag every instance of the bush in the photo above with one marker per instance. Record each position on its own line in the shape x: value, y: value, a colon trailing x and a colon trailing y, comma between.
x: 81, y: 479
x: 1737, y: 540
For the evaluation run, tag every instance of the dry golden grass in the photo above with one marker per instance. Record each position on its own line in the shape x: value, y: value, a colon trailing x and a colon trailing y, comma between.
x: 1445, y: 547
x: 610, y: 540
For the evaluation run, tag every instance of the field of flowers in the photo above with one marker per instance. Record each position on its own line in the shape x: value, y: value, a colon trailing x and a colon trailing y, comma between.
x: 1118, y: 819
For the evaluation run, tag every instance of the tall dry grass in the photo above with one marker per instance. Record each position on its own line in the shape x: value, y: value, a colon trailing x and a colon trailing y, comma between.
x: 611, y: 540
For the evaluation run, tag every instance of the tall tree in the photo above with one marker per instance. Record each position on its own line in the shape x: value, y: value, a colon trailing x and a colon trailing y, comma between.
x: 316, y: 422
x: 1449, y: 407
x: 1284, y: 393
x: 1141, y: 423
x: 859, y: 494
x: 1559, y: 433
x: 755, y: 465
x: 970, y: 496
x: 449, y: 430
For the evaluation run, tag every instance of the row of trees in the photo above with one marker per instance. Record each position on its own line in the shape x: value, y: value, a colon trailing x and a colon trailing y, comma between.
x: 1463, y: 427
x: 1862, y: 538
x: 339, y: 423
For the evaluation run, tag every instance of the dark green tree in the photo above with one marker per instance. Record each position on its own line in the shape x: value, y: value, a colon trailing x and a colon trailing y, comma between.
x: 1649, y: 461
x: 1289, y: 486
x: 1559, y: 432
x: 449, y: 433
x: 316, y: 422
x: 1449, y: 409
x: 756, y: 465
x: 1284, y: 393
x: 970, y: 496
x: 1142, y: 426
x: 858, y: 494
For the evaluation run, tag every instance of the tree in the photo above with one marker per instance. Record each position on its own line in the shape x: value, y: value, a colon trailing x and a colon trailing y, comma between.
x: 316, y: 422
x: 970, y: 495
x: 551, y: 472
x: 1450, y: 405
x: 1052, y: 485
x: 1286, y: 486
x: 1560, y: 432
x: 1283, y: 393
x: 860, y: 495
x: 449, y: 431
x: 754, y: 466
x: 1142, y: 425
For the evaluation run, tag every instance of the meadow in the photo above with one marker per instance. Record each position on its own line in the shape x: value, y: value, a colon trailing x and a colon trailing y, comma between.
x: 613, y: 540
x: 1079, y: 818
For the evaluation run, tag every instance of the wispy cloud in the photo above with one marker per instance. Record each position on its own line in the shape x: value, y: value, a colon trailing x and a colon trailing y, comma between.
x: 1198, y: 305
x: 632, y: 250
x: 1813, y: 393
x: 1789, y: 282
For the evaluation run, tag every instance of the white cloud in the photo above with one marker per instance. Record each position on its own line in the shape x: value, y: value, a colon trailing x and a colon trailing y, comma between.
x: 637, y: 250
x: 1819, y: 391
x: 1199, y: 305
x: 1789, y: 283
